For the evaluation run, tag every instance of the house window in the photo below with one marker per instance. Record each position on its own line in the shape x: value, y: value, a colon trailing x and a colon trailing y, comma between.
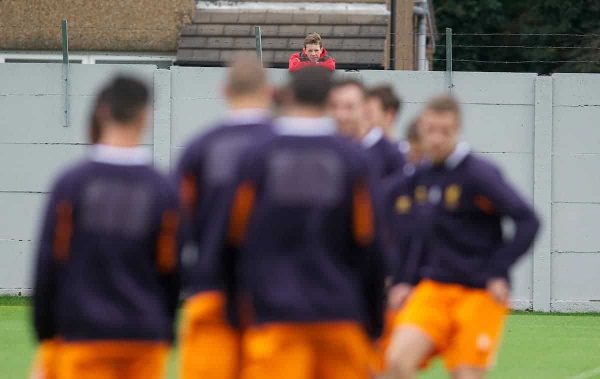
x: 38, y: 60
x: 161, y: 61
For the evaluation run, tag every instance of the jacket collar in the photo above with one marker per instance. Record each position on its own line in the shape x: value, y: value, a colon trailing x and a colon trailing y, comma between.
x: 246, y: 116
x: 372, y: 137
x: 458, y: 155
x: 305, y: 126
x: 122, y: 156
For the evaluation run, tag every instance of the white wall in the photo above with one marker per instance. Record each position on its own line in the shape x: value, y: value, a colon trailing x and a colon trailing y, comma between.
x: 540, y: 130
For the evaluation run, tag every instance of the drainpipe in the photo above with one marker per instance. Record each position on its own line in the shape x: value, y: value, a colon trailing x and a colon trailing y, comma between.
x: 421, y: 11
x: 393, y: 38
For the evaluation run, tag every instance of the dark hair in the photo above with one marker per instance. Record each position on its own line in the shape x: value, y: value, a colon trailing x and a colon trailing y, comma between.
x: 311, y: 85
x: 121, y: 100
x: 443, y: 104
x: 389, y: 100
x: 412, y: 133
x: 349, y: 82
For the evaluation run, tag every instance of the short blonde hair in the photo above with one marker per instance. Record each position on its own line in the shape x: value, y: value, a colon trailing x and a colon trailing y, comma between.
x: 246, y: 75
x: 443, y: 104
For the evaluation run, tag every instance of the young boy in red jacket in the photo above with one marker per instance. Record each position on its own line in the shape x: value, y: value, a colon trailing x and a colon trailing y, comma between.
x: 313, y: 54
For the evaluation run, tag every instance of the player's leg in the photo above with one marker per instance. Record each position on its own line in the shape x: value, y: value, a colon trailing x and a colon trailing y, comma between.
x: 342, y: 351
x: 276, y: 351
x: 468, y: 373
x: 421, y: 328
x: 382, y: 344
x: 209, y: 345
x: 479, y: 324
x: 409, y: 348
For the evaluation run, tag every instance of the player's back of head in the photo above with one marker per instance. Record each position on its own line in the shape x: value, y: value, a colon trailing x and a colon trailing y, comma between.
x: 311, y: 86
x: 121, y: 102
x: 245, y: 76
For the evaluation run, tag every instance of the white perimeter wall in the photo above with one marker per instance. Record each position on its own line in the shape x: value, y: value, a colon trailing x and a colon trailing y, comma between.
x: 543, y: 131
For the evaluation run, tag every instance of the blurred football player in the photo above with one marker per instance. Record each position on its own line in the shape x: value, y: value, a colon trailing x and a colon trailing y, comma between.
x: 458, y: 307
x: 348, y: 105
x: 206, y: 172
x: 411, y: 148
x: 383, y: 108
x: 106, y: 284
x: 308, y: 267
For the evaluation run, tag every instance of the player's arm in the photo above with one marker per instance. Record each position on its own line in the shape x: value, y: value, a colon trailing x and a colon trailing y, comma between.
x: 52, y: 252
x: 493, y: 194
x: 395, y: 159
x: 169, y: 243
x: 235, y: 226
x: 367, y: 235
x: 186, y: 179
x: 406, y: 254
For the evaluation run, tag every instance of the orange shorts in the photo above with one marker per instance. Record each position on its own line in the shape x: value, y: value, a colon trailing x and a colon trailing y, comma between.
x: 112, y: 360
x: 465, y: 324
x: 45, y: 363
x: 332, y: 350
x: 210, y: 347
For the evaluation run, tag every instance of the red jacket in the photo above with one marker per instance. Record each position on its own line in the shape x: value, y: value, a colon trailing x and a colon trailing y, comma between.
x: 300, y: 60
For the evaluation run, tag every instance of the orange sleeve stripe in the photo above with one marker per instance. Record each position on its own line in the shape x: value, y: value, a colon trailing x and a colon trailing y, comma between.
x: 243, y: 202
x: 166, y: 250
x: 63, y: 231
x: 362, y: 214
x: 188, y: 192
x: 484, y: 204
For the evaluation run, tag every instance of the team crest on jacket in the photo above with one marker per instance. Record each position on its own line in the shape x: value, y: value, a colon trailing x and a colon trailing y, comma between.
x: 421, y: 194
x: 403, y: 204
x: 452, y: 196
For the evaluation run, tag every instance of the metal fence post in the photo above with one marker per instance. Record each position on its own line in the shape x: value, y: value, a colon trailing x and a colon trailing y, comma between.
x: 258, y: 36
x: 65, y: 51
x: 542, y: 193
x: 449, y: 58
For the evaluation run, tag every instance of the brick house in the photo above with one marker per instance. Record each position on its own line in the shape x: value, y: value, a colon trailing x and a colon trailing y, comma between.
x: 358, y: 33
x: 109, y: 31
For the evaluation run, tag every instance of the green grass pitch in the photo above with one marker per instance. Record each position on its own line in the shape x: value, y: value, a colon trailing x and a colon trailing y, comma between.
x: 536, y: 346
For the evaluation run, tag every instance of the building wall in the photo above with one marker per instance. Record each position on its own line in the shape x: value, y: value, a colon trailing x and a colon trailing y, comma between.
x: 319, y: 1
x: 541, y: 130
x: 117, y: 25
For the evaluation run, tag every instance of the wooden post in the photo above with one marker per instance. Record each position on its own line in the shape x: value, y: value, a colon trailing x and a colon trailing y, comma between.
x: 403, y: 42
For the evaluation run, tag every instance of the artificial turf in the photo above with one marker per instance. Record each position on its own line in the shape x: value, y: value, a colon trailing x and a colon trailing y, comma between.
x: 536, y: 346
